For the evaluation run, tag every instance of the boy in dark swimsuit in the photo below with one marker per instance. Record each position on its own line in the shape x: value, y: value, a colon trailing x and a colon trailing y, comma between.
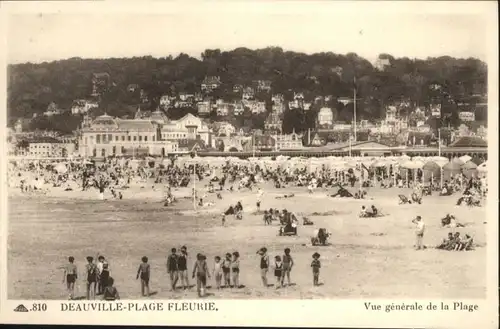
x: 264, y: 265
x: 182, y: 267
x: 144, y: 273
x: 91, y: 269
x: 103, y: 269
x: 172, y: 269
x: 278, y: 269
x: 316, y: 265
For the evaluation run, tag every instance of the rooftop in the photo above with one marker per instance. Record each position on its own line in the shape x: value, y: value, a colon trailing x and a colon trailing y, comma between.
x: 469, y: 141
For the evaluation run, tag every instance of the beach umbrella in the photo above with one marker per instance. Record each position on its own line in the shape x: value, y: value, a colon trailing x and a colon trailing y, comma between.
x: 61, y: 168
x: 441, y: 161
x: 379, y: 163
x: 457, y: 161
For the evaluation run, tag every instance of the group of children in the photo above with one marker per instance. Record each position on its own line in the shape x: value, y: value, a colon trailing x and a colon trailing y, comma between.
x: 225, y: 272
x: 98, y: 281
x: 283, y: 266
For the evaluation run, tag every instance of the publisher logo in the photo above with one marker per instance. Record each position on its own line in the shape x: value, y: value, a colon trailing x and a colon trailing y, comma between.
x: 21, y: 308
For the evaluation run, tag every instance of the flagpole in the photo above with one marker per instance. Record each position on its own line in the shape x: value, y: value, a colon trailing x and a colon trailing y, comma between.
x: 253, y: 144
x: 194, y: 183
x: 355, y: 132
x: 439, y: 141
x: 350, y: 145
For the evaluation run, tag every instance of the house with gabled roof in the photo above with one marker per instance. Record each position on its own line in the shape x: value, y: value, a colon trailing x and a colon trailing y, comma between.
x: 210, y: 83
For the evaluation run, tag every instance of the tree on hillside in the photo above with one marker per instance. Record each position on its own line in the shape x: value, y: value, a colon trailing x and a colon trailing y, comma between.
x: 32, y: 87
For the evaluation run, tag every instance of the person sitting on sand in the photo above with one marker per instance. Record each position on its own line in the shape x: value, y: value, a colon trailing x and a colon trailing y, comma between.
x: 362, y: 213
x: 466, y: 243
x: 446, y: 242
x: 110, y: 292
x: 445, y: 190
x: 455, y: 243
x: 374, y: 211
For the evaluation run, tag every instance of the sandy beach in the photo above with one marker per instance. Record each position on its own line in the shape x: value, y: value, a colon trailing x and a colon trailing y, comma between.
x: 370, y: 257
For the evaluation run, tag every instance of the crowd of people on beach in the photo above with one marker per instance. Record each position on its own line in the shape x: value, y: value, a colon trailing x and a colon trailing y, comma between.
x: 116, y: 177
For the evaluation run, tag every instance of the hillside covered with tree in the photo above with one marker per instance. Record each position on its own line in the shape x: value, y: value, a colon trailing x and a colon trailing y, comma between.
x: 444, y: 80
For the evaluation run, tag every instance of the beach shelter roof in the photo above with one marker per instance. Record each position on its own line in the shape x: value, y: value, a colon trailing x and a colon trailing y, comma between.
x: 452, y: 166
x: 469, y: 165
x: 477, y: 160
x: 431, y: 166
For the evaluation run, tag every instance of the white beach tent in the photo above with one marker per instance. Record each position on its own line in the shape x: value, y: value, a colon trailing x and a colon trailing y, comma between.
x: 61, y: 168
x: 465, y: 158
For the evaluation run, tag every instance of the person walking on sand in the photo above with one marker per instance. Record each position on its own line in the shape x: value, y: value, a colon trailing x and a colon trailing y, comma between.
x: 70, y: 275
x: 419, y: 232
x: 172, y: 269
x: 144, y: 273
x: 264, y: 265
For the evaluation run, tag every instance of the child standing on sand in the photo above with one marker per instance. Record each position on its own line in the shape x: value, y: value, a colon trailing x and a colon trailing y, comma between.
x: 226, y: 270
x: 91, y: 269
x: 217, y: 272
x: 235, y: 268
x: 144, y: 273
x: 182, y: 267
x: 316, y: 265
x: 278, y: 269
x: 201, y: 271
x: 287, y: 266
x: 70, y: 276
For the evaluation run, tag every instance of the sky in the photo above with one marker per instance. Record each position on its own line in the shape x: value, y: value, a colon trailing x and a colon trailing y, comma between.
x: 53, y: 35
